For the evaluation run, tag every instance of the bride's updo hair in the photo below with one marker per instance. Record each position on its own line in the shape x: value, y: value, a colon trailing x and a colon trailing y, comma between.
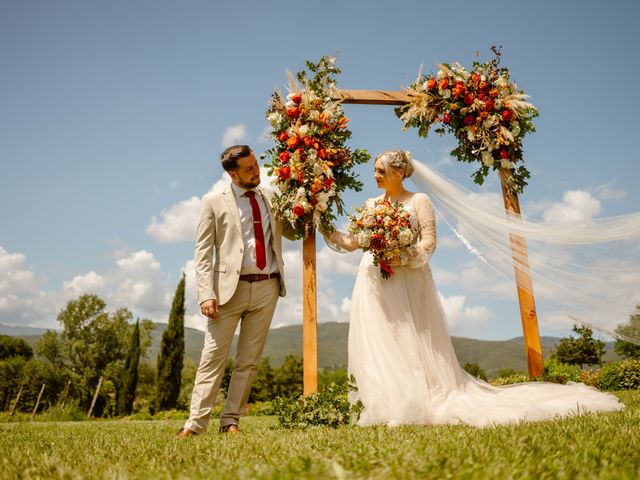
x: 398, y: 160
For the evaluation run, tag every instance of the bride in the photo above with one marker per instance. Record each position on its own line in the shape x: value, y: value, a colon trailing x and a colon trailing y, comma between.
x: 400, y: 352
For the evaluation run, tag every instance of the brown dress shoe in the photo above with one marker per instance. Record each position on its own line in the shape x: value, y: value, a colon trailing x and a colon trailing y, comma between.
x: 185, y: 432
x: 232, y: 428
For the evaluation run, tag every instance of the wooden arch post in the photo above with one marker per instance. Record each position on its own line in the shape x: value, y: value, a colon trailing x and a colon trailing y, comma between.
x: 533, y: 348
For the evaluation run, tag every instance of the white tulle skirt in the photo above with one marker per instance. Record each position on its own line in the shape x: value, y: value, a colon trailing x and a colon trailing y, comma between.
x: 407, y: 372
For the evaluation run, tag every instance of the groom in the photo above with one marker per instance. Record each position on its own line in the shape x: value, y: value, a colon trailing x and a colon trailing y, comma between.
x: 241, y: 284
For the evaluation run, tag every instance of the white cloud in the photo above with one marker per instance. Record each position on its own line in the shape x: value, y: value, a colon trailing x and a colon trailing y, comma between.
x: 607, y: 191
x: 233, y: 135
x: 463, y: 320
x: 576, y: 205
x: 88, y: 283
x: 22, y: 302
x: 177, y: 223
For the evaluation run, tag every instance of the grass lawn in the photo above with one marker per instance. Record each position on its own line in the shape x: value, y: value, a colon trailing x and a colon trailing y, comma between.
x: 592, y: 446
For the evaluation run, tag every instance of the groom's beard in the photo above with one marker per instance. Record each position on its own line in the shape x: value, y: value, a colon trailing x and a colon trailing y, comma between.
x: 249, y: 184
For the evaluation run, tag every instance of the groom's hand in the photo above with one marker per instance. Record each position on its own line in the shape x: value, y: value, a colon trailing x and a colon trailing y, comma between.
x: 210, y: 308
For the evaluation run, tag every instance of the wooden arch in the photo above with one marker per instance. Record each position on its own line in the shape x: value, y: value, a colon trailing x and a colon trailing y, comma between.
x: 528, y: 315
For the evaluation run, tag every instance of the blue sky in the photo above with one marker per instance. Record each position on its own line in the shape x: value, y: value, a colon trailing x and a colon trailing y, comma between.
x: 113, y: 115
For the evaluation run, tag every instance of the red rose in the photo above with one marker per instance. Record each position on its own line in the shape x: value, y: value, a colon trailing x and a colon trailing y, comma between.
x: 444, y: 83
x: 298, y: 210
x: 284, y: 173
x: 284, y: 157
x: 296, y: 98
x: 292, y: 142
x: 293, y: 112
x: 504, y: 153
x: 309, y: 141
x: 328, y: 182
x: 469, y: 119
x: 377, y: 242
x: 314, y: 201
x: 300, y: 176
x: 432, y: 83
x: 507, y: 115
x: 468, y: 99
x: 489, y: 105
x: 322, y: 153
x: 446, y: 118
x: 283, y: 136
x: 475, y: 78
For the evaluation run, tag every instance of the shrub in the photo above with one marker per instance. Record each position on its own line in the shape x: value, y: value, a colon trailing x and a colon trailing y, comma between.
x: 259, y: 409
x: 590, y: 377
x: 330, y: 407
x: 557, y: 372
x: 624, y: 375
x: 509, y: 380
x: 71, y: 413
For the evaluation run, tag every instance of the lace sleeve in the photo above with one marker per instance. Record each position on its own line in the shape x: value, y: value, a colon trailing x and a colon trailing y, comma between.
x: 426, y: 243
x: 341, y: 242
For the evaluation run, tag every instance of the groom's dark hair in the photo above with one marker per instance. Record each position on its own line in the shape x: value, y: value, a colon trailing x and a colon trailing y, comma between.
x: 231, y: 155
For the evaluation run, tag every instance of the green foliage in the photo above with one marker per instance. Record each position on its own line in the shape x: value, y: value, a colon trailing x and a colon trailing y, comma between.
x: 288, y: 378
x: 171, y: 356
x: 630, y: 329
x: 475, y: 370
x: 624, y: 375
x: 509, y: 379
x: 558, y: 372
x: 329, y: 407
x: 127, y: 392
x: 14, y: 347
x: 584, y: 350
x: 14, y: 355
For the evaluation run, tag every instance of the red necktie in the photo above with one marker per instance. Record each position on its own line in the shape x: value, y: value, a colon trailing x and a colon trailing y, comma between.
x: 261, y: 257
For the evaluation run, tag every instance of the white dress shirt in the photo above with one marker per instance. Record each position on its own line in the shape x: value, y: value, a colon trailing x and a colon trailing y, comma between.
x: 246, y: 222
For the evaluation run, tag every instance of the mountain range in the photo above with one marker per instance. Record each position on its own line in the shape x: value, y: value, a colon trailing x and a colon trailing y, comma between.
x: 491, y: 355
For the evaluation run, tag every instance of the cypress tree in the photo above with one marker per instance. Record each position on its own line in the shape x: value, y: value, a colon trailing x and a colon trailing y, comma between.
x: 128, y: 389
x: 171, y: 355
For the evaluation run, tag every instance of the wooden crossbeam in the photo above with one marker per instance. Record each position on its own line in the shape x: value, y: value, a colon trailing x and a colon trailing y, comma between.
x: 372, y: 97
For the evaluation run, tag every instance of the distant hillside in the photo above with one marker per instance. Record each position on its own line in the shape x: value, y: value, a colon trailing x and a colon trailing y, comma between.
x: 491, y: 355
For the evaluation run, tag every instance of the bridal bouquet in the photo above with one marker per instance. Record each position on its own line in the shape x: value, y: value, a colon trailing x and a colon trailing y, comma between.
x: 483, y: 108
x: 386, y: 230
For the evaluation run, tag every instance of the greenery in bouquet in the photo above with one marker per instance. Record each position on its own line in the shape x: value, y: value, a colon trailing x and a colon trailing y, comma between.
x: 310, y: 162
x: 386, y: 230
x: 487, y: 112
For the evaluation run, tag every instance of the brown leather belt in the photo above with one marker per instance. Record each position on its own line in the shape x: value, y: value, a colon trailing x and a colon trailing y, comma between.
x: 259, y: 277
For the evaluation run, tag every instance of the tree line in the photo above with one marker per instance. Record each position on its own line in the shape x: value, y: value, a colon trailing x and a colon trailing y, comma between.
x: 97, y: 348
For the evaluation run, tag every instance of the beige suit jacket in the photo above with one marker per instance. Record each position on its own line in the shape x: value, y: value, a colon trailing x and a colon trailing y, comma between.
x: 219, y: 245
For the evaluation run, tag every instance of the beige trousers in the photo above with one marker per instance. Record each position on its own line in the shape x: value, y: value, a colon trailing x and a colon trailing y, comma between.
x: 252, y: 304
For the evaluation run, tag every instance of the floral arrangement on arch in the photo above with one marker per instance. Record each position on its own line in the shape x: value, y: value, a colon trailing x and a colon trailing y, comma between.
x: 310, y: 162
x: 486, y: 112
x: 387, y: 230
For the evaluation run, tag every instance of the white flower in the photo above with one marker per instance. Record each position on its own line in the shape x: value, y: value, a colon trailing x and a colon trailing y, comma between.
x: 303, y: 130
x: 290, y: 104
x: 487, y: 158
x: 323, y: 197
x: 405, y: 236
x: 274, y: 118
x: 502, y: 82
x: 446, y: 93
x: 505, y: 163
x: 322, y: 206
x: 363, y: 239
x: 440, y: 74
x: 497, y: 104
x: 332, y: 60
x: 470, y: 135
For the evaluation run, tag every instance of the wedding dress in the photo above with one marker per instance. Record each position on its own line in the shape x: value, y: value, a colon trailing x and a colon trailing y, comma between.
x: 403, y: 361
